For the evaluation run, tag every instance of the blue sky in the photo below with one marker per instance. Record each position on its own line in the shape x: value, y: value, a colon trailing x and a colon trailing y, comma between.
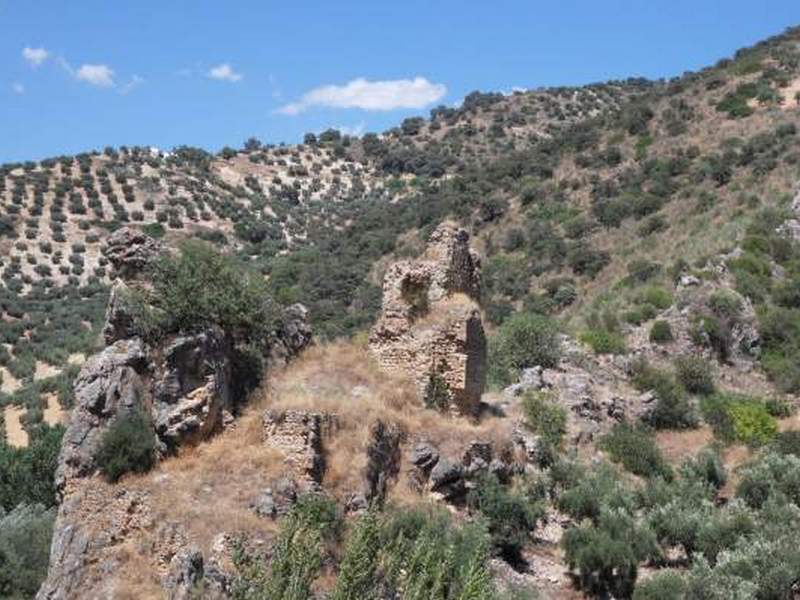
x: 81, y: 75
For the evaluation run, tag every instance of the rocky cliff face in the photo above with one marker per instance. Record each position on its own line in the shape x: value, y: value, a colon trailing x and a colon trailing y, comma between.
x: 184, y: 384
x: 430, y: 324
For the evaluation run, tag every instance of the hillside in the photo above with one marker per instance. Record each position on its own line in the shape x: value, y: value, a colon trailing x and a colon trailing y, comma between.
x: 637, y: 290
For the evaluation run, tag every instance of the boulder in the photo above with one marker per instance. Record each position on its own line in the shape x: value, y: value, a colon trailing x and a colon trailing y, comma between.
x: 430, y: 326
x: 293, y: 335
x: 192, y: 387
x: 120, y: 319
x: 185, y: 574
x: 130, y: 251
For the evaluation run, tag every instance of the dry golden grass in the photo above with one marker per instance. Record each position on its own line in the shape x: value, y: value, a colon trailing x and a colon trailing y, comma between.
x: 342, y: 378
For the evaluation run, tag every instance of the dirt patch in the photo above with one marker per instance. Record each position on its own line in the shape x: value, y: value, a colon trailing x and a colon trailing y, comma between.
x: 677, y: 446
x: 45, y: 370
x: 76, y: 359
x: 15, y: 434
x: 789, y: 94
x: 53, y: 413
x: 10, y: 384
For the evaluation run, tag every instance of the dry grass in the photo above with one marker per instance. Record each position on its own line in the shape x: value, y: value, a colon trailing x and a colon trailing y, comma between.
x: 342, y: 378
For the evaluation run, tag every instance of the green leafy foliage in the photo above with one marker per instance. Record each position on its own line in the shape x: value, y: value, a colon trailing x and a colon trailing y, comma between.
x: 661, y: 332
x: 202, y: 287
x: 636, y: 450
x: 695, y: 374
x: 522, y: 341
x: 26, y: 474
x: 128, y: 446
x: 544, y: 416
x: 24, y: 549
x: 739, y: 418
x: 603, y: 341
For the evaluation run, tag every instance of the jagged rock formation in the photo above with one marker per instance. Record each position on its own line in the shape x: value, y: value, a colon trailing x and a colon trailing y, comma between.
x: 130, y: 251
x: 430, y: 325
x: 185, y: 385
x: 108, y: 386
x: 193, y: 387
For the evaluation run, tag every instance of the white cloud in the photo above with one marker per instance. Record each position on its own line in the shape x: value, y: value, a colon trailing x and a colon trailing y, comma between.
x: 35, y: 56
x: 135, y: 81
x: 370, y: 95
x: 98, y: 75
x: 224, y: 72
x: 18, y: 88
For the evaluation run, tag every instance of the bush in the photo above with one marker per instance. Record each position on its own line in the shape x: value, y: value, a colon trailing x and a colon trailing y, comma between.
x: 545, y: 416
x: 672, y: 409
x: 202, y: 287
x: 510, y: 516
x: 694, y: 374
x: 739, y: 418
x: 656, y: 296
x: 661, y: 332
x: 603, y: 341
x: 127, y: 446
x: 523, y: 341
x: 635, y: 449
x: 24, y: 549
x: 661, y: 585
x: 787, y: 442
x: 26, y: 474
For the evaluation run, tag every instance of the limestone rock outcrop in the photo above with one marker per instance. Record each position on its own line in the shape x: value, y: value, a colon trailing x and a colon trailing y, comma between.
x: 120, y: 321
x: 109, y: 385
x: 131, y: 251
x: 192, y: 387
x: 430, y: 325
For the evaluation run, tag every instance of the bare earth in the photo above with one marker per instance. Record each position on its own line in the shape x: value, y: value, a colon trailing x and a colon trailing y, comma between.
x: 15, y: 434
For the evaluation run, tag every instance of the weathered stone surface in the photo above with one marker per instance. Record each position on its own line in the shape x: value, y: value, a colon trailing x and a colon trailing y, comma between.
x: 192, y: 387
x: 130, y: 251
x: 447, y: 478
x: 119, y: 323
x: 430, y: 326
x: 276, y: 500
x: 383, y: 460
x: 293, y: 335
x: 91, y: 526
x: 109, y: 384
x: 185, y: 574
x: 299, y: 435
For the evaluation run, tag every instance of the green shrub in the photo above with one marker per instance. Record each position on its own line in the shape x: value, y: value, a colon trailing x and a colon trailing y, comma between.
x: 770, y: 476
x: 694, y: 373
x: 672, y: 409
x: 656, y: 296
x: 661, y: 585
x: 607, y: 554
x: 510, y: 516
x: 201, y: 287
x: 603, y: 341
x: 25, y: 535
x: 128, y: 446
x: 636, y: 450
x: 739, y: 418
x: 661, y: 332
x: 523, y: 341
x: 26, y: 474
x: 787, y: 442
x: 780, y: 408
x: 545, y: 416
x: 640, y: 314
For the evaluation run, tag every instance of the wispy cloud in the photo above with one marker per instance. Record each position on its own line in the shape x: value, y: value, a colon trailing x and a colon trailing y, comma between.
x: 370, y: 95
x: 224, y: 72
x: 18, y: 88
x: 97, y: 75
x: 134, y: 82
x: 35, y: 56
